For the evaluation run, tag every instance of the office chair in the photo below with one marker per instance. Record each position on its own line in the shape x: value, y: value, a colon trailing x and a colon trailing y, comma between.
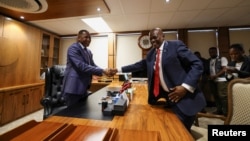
x: 53, y: 86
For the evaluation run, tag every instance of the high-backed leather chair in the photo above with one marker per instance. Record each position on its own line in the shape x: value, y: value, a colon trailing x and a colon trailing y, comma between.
x: 53, y: 86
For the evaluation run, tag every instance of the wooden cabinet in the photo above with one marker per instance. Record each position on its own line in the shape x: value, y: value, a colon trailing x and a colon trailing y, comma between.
x: 35, y: 94
x: 45, y: 52
x: 13, y: 105
x: 19, y: 102
x: 56, y: 51
x: 49, y: 51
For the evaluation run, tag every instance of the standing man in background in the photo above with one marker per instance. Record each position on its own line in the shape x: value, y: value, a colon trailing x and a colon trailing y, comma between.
x: 79, y: 70
x: 173, y: 72
x: 217, y: 80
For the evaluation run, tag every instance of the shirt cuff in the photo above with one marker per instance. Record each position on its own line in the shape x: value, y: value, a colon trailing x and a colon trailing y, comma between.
x: 188, y: 87
x: 119, y: 70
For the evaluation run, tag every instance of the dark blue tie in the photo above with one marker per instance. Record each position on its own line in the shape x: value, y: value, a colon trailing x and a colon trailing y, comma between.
x: 87, y: 54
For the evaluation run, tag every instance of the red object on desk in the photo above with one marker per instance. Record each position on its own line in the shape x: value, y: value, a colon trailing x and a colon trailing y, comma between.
x: 125, y: 86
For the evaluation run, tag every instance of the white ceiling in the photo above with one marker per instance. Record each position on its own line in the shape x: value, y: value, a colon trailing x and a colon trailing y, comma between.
x: 138, y: 15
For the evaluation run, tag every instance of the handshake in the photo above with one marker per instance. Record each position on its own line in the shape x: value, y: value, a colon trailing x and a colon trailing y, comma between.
x: 110, y: 72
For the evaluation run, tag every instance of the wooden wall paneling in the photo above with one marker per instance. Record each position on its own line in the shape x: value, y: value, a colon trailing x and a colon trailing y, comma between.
x: 111, y: 61
x: 223, y: 41
x: 183, y: 35
x: 1, y: 105
x: 32, y: 55
x: 26, y: 44
x: 1, y: 25
x: 111, y: 50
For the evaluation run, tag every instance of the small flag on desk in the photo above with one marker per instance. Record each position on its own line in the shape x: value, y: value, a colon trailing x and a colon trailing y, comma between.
x: 125, y: 86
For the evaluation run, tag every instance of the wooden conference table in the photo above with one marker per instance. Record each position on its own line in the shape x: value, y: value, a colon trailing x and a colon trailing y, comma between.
x: 139, y: 116
x: 141, y: 121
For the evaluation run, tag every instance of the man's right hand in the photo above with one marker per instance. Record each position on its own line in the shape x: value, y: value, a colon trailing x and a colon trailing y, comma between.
x: 109, y: 72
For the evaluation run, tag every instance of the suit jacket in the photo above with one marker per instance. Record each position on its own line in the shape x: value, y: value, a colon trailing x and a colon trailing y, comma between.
x: 244, y: 71
x: 79, y: 70
x: 179, y: 65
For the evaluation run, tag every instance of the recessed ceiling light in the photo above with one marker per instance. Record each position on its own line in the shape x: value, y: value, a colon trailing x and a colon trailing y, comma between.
x: 21, y: 17
x: 97, y: 24
x: 8, y: 18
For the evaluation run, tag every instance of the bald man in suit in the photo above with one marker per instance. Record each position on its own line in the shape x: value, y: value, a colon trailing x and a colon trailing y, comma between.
x: 179, y: 73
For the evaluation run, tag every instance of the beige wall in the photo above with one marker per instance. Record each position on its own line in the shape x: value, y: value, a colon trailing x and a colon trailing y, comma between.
x: 127, y: 50
x: 201, y: 41
x: 241, y: 36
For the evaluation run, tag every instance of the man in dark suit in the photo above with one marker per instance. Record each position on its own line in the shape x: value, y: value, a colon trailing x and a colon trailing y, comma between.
x: 179, y: 73
x: 79, y: 70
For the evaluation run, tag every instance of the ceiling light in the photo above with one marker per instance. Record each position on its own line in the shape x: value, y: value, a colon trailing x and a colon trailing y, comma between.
x: 97, y: 24
x: 167, y: 1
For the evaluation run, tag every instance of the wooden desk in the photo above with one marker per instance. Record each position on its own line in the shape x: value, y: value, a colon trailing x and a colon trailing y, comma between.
x: 140, y: 116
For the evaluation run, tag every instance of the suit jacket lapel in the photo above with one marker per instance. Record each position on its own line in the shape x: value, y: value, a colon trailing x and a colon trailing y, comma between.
x: 164, y: 51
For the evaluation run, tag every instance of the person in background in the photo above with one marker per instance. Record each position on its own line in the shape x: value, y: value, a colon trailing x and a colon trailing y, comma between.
x: 239, y: 65
x: 79, y: 70
x: 203, y: 79
x: 216, y: 79
x: 249, y: 54
x: 177, y: 79
x: 204, y: 63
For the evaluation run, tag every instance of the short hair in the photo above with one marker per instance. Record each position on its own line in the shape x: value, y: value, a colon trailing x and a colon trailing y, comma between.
x: 197, y: 52
x: 212, y: 48
x: 238, y: 47
x: 83, y: 30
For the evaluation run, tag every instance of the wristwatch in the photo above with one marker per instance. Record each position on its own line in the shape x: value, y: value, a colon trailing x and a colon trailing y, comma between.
x: 144, y: 42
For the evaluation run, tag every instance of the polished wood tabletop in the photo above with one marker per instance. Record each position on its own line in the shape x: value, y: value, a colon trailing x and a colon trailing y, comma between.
x: 139, y: 116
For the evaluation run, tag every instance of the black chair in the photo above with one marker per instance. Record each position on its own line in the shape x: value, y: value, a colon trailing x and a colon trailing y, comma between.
x: 53, y: 86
